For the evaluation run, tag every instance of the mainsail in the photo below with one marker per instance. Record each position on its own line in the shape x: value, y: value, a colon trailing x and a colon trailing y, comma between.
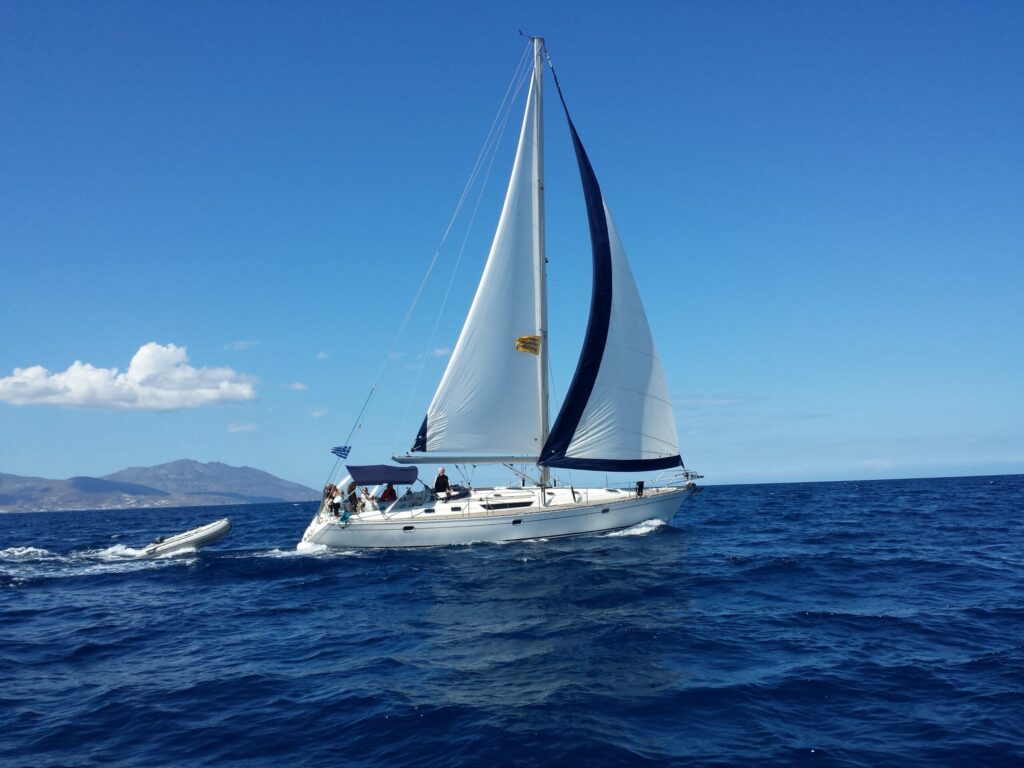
x: 489, y: 401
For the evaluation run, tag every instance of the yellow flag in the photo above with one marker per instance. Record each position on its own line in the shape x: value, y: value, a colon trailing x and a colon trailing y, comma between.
x: 529, y: 344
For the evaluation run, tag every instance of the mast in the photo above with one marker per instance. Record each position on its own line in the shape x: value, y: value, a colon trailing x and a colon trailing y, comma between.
x: 539, y: 247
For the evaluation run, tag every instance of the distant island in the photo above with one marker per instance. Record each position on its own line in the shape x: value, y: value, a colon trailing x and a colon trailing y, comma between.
x: 183, y: 483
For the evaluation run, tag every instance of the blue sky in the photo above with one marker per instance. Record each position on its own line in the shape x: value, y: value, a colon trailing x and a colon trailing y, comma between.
x: 823, y: 204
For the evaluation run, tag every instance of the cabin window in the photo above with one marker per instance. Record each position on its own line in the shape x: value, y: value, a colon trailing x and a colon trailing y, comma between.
x: 456, y: 509
x: 409, y: 528
x: 517, y: 522
x: 508, y: 505
x: 604, y: 511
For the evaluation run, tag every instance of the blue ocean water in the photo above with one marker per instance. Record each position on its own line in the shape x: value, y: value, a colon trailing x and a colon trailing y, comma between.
x: 855, y: 624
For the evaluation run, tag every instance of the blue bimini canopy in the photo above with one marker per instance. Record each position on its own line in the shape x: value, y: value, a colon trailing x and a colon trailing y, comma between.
x: 375, y: 474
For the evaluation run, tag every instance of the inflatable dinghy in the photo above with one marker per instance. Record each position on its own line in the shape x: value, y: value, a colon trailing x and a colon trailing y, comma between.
x: 196, y: 538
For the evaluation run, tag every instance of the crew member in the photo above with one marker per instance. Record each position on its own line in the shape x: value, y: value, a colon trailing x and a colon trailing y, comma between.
x: 441, y: 484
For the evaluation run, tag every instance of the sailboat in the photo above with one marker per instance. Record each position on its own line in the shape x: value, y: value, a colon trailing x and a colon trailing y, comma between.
x: 491, y: 406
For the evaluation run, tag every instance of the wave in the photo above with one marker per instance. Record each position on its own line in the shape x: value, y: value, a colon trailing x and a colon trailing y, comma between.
x: 26, y: 553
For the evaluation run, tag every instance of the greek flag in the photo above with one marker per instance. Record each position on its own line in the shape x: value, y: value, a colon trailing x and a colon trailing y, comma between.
x: 341, y: 451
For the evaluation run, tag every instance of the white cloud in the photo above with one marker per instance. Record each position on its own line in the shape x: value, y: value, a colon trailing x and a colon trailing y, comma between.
x: 316, y: 413
x: 296, y: 386
x: 322, y: 355
x: 158, y: 378
x: 441, y: 351
x: 241, y: 344
x: 234, y: 428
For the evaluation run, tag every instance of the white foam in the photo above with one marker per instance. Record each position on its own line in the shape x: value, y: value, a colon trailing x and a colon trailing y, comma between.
x: 302, y: 549
x: 116, y: 552
x: 307, y: 548
x: 183, y: 552
x: 640, y: 529
x: 26, y: 553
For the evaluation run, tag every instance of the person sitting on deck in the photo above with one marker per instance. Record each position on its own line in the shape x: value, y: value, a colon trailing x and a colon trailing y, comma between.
x: 389, y: 494
x: 441, y: 484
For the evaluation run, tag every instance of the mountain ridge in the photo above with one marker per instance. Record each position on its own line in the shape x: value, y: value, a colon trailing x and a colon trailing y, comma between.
x: 180, y: 483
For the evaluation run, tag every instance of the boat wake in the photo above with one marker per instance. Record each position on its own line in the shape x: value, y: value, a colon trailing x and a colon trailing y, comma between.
x: 114, y: 553
x: 304, y: 549
x: 25, y: 553
x: 21, y: 565
x: 640, y: 529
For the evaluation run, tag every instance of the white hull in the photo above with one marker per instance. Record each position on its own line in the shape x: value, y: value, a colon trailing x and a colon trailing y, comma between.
x: 468, y: 521
x: 194, y: 539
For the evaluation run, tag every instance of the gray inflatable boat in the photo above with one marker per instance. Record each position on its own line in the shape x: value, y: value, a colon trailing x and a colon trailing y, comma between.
x: 196, y: 538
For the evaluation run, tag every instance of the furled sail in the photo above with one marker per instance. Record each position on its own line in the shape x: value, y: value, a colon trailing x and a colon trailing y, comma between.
x: 488, y: 401
x: 617, y: 415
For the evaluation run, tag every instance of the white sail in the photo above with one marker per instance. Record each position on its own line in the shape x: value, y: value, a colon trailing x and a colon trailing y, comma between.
x: 488, y: 401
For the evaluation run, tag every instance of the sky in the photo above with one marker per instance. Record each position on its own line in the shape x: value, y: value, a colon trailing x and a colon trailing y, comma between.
x: 214, y: 218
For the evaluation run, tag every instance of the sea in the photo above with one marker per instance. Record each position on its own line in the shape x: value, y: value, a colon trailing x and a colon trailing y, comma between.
x: 831, y: 624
